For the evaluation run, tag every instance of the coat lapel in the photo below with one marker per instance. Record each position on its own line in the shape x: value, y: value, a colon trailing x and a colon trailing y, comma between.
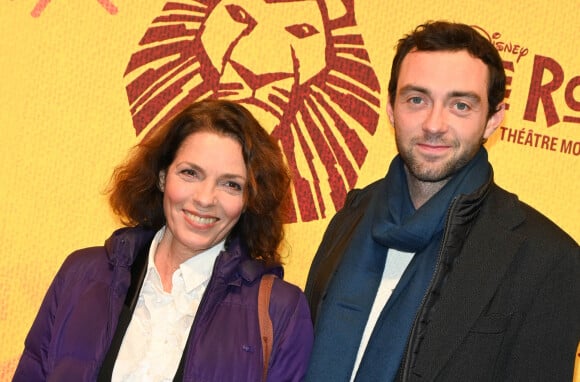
x: 474, y: 278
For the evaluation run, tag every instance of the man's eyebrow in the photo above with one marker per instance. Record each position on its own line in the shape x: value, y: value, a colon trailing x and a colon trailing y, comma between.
x: 413, y: 88
x: 474, y: 97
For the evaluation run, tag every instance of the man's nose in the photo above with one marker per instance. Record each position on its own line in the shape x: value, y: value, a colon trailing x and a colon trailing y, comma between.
x: 436, y: 120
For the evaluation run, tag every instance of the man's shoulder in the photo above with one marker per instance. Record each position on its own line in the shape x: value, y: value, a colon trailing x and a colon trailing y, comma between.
x: 358, y: 197
x: 514, y: 214
x: 358, y: 202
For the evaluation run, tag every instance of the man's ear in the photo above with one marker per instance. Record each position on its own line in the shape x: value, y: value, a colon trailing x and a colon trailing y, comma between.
x: 494, y: 121
x: 390, y: 112
x: 161, y: 182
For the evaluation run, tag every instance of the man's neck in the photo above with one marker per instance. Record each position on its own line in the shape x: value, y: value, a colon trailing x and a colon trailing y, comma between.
x: 421, y: 191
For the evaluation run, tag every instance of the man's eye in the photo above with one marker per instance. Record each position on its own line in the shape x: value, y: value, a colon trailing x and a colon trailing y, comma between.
x: 462, y: 106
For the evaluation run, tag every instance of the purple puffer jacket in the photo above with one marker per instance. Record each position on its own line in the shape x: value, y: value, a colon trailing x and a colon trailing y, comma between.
x: 78, y: 317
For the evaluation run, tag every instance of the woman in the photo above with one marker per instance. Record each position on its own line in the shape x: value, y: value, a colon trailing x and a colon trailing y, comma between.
x: 174, y: 294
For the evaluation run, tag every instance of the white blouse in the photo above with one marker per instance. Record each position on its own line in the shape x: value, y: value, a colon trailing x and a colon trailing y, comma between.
x: 156, y: 336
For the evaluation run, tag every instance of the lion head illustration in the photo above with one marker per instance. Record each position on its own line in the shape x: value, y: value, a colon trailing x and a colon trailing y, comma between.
x: 299, y: 66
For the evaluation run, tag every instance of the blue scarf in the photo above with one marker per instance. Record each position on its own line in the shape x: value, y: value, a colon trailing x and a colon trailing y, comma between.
x: 391, y: 221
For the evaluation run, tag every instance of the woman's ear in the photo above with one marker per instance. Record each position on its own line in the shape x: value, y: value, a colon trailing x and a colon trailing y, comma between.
x: 161, y: 182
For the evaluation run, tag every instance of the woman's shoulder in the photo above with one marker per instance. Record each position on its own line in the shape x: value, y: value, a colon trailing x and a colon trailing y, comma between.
x: 89, y: 260
x: 284, y: 295
x: 283, y: 288
x: 287, y: 298
x: 83, y: 264
x: 118, y: 249
x: 85, y: 258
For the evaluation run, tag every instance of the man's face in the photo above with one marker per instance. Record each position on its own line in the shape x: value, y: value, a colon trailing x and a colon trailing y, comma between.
x: 440, y: 112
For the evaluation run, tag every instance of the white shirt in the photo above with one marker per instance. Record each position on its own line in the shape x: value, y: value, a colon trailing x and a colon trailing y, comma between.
x: 397, y: 262
x: 156, y: 336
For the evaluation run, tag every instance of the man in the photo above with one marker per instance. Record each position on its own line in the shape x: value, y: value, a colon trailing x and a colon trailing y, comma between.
x: 434, y: 273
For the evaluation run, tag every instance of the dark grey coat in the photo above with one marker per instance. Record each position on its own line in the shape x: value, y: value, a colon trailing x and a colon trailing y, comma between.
x: 504, y: 304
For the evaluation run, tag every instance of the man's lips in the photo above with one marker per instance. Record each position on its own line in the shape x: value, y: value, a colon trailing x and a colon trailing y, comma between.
x: 433, y: 148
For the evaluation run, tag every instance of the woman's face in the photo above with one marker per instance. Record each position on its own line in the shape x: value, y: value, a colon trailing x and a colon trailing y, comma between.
x: 203, y: 192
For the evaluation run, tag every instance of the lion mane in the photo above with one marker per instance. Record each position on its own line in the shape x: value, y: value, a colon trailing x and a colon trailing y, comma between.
x: 299, y: 66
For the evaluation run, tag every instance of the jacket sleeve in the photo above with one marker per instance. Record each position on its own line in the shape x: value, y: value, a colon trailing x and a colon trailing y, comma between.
x: 545, y: 348
x: 293, y: 333
x: 33, y: 362
x: 328, y: 256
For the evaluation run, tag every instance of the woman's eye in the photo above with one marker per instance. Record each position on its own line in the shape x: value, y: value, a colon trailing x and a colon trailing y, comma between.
x: 233, y: 185
x: 188, y: 172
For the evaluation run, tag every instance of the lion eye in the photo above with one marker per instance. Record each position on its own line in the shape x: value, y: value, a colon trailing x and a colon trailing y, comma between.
x: 302, y: 30
x: 239, y: 14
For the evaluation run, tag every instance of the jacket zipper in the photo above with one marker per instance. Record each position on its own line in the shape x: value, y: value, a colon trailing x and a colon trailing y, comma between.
x: 200, y: 310
x: 410, y: 341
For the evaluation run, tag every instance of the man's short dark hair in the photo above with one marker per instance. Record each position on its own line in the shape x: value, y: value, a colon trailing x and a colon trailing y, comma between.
x: 446, y: 36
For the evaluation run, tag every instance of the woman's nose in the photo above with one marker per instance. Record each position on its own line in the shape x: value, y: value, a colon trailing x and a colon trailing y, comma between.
x: 204, y: 194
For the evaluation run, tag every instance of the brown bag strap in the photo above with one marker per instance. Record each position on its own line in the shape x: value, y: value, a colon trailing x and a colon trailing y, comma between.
x: 266, y: 330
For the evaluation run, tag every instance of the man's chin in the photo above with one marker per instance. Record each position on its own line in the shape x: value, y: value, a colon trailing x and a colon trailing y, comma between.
x: 431, y: 174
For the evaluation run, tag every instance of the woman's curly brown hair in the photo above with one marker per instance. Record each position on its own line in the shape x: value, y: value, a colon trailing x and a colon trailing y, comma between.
x: 134, y: 193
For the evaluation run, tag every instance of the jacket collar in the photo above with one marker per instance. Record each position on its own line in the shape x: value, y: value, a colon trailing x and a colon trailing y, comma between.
x: 125, y: 243
x: 233, y: 264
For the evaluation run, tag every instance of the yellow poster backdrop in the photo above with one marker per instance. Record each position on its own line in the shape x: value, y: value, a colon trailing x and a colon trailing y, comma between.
x: 69, y: 113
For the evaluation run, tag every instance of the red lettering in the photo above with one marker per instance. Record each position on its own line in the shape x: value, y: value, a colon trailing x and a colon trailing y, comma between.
x: 570, y: 147
x: 543, y: 93
x: 546, y: 142
x: 572, y: 103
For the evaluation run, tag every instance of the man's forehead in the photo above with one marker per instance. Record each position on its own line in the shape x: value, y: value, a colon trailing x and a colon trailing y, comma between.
x: 443, y: 73
x: 448, y: 62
